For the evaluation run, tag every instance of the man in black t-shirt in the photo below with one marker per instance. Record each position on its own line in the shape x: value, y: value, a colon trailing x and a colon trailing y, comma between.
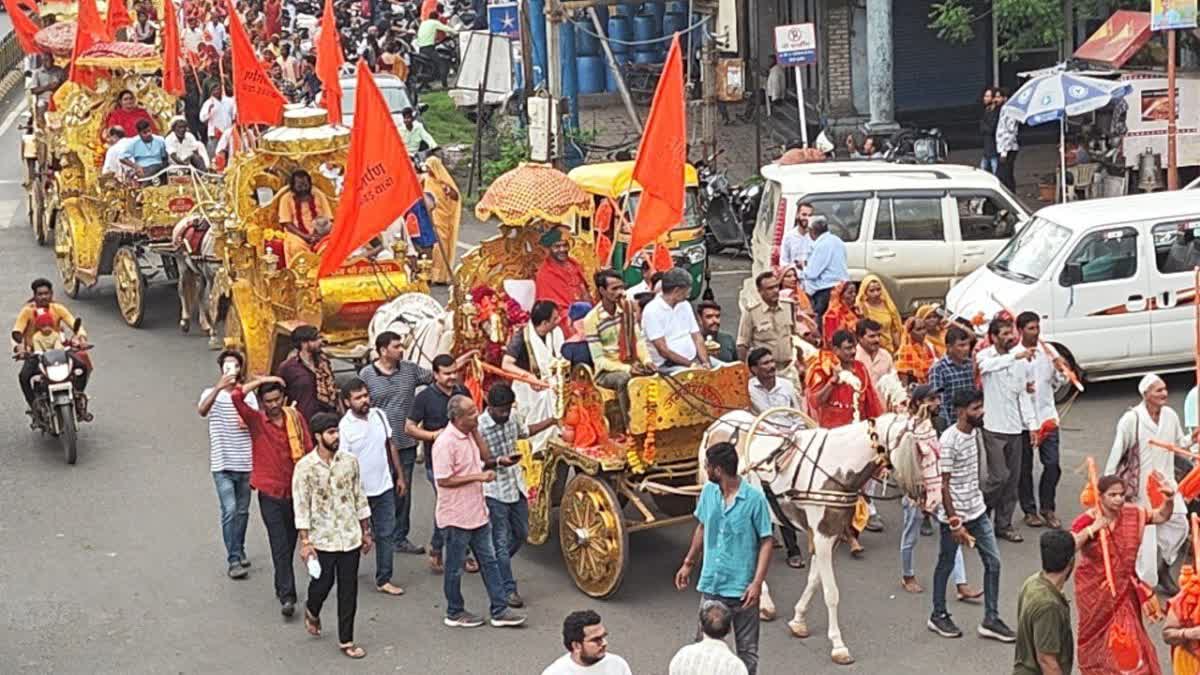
x: 427, y: 418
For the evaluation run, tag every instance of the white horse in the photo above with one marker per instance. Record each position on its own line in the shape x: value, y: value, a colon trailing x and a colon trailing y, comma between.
x: 425, y: 326
x: 815, y: 477
x: 199, y: 272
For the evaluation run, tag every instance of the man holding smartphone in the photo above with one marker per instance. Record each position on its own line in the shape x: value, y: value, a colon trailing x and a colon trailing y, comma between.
x: 508, y: 509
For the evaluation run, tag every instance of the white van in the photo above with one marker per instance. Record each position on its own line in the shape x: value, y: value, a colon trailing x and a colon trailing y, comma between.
x: 1111, y: 279
x: 920, y: 227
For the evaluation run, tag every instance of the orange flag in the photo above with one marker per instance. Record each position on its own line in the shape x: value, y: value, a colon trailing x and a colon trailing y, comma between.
x: 23, y: 26
x: 118, y: 17
x: 89, y: 29
x: 661, y: 157
x: 172, y: 80
x: 381, y: 184
x: 258, y: 101
x: 329, y: 64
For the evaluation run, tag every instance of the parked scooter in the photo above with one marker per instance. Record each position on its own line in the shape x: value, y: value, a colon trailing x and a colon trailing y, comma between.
x: 720, y: 206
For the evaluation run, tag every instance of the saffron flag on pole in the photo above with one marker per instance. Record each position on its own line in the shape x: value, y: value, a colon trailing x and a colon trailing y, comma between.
x: 661, y: 156
x: 172, y: 80
x: 258, y: 101
x: 89, y: 29
x: 381, y: 184
x: 329, y: 64
x: 117, y: 18
x: 23, y: 26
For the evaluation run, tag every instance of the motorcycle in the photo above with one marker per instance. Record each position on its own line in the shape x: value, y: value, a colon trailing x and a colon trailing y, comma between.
x: 917, y: 146
x: 57, y: 407
x: 723, y: 227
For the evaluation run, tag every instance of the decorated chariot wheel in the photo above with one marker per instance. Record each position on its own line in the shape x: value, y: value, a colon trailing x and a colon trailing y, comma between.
x: 131, y: 286
x: 64, y: 255
x: 591, y: 530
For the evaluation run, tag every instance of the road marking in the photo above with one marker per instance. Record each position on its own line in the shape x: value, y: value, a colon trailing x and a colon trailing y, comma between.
x: 12, y: 117
x: 11, y: 181
x: 729, y: 273
x: 8, y: 212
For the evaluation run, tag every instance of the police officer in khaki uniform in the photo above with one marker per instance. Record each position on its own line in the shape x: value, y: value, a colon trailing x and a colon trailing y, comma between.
x: 770, y: 323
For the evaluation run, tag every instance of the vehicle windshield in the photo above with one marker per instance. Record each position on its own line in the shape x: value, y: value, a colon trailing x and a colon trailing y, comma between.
x: 396, y: 97
x: 691, y: 208
x: 1028, y: 254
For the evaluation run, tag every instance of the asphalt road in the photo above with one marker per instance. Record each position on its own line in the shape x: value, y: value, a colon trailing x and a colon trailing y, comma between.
x: 116, y: 564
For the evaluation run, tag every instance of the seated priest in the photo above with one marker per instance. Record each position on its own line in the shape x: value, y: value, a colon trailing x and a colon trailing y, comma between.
x: 560, y: 278
x: 530, y: 354
x: 304, y: 215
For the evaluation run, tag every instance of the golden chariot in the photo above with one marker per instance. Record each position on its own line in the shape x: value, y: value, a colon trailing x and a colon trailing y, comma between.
x: 104, y: 224
x: 271, y: 295
x: 646, y: 479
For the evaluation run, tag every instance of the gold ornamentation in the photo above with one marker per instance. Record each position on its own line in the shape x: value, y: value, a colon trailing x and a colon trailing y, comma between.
x: 592, y: 533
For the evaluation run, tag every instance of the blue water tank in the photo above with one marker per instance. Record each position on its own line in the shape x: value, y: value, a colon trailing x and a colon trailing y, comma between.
x: 621, y: 10
x: 586, y: 43
x: 652, y: 56
x: 619, y: 28
x: 591, y: 74
x: 645, y: 28
x: 658, y: 9
x: 610, y: 79
x: 674, y: 23
x: 570, y: 72
x: 676, y: 7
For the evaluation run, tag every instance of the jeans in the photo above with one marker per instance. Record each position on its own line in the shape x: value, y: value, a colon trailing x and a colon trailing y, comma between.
x: 479, y: 541
x: 1003, y: 454
x: 438, y: 541
x: 408, y: 458
x: 910, y: 533
x: 233, y: 493
x: 989, y: 164
x: 383, y: 514
x: 510, y: 526
x: 745, y: 629
x: 1006, y: 171
x: 1048, y: 485
x: 280, y: 521
x: 340, y: 566
x: 985, y: 543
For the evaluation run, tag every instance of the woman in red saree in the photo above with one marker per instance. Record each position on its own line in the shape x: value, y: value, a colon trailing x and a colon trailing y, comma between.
x: 1112, y: 639
x: 841, y: 314
x: 127, y: 114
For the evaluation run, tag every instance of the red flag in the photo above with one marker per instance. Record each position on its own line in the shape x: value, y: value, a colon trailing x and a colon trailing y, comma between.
x: 381, y: 184
x: 329, y: 64
x: 89, y: 29
x: 172, y: 80
x: 258, y: 101
x: 661, y: 157
x: 118, y: 17
x: 23, y: 26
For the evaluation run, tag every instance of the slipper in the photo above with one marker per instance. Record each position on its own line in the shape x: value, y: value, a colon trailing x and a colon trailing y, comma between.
x: 795, y: 562
x: 971, y: 598
x: 471, y: 566
x: 312, y: 624
x: 911, y: 586
x: 858, y: 552
x: 353, y: 651
x: 390, y: 589
x: 435, y: 565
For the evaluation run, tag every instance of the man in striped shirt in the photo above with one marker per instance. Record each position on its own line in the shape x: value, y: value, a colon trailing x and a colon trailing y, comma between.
x: 609, y: 325
x: 229, y: 458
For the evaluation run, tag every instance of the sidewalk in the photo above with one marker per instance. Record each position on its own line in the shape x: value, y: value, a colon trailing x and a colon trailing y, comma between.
x: 612, y: 127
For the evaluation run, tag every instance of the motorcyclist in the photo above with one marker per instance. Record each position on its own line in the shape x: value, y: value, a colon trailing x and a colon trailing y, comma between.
x: 429, y: 33
x: 23, y: 332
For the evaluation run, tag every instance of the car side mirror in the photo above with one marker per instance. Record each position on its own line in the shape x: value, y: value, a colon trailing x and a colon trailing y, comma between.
x: 1072, y: 275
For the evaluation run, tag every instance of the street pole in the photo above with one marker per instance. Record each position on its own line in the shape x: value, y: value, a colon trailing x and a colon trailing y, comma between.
x: 526, y: 37
x: 553, y: 75
x: 708, y: 95
x: 752, y: 78
x: 1172, y: 163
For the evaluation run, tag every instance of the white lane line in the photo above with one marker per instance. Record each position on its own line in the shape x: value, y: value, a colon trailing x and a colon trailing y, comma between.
x: 8, y: 212
x: 12, y: 116
x: 11, y: 181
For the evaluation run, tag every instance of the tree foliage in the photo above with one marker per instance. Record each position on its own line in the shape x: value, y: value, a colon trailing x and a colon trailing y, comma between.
x: 1020, y: 24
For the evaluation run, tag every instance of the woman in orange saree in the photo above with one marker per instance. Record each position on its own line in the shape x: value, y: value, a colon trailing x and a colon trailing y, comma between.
x: 1112, y: 638
x: 841, y: 314
x: 1182, y: 628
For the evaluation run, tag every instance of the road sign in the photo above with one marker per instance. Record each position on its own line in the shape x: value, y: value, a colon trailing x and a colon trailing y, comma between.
x: 796, y: 44
x: 1172, y: 14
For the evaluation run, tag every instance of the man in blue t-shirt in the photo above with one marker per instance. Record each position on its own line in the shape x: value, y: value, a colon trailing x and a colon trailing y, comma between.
x: 147, y: 154
x: 734, y: 530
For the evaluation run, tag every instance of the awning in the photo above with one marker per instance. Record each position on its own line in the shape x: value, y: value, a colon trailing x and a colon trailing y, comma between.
x: 1117, y: 40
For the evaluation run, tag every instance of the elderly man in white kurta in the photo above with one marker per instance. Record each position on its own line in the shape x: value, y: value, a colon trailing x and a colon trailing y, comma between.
x: 1134, y: 459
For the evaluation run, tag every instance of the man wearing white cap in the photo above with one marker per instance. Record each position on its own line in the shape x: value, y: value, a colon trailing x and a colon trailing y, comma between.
x: 183, y: 148
x: 1133, y: 458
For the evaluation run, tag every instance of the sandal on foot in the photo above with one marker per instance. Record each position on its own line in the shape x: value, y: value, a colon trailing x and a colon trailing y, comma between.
x: 910, y: 585
x: 390, y: 589
x: 972, y: 595
x: 471, y: 566
x: 312, y: 624
x: 353, y: 651
x: 795, y: 562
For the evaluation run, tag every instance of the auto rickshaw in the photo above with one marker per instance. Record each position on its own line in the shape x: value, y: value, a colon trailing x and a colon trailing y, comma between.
x: 613, y: 181
x: 271, y: 293
x: 104, y: 223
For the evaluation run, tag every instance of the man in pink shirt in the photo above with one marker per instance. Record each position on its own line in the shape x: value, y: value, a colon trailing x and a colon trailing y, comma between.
x: 458, y: 470
x: 870, y: 353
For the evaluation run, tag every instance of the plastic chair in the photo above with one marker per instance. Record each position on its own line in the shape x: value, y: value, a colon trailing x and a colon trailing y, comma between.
x: 1081, y: 182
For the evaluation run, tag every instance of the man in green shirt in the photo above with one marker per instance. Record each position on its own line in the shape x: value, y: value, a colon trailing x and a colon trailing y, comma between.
x: 427, y: 38
x: 1045, y: 643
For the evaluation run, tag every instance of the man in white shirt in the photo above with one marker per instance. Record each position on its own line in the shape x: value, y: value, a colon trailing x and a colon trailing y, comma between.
x: 365, y: 433
x: 671, y: 328
x: 1133, y: 458
x: 710, y: 655
x: 183, y: 148
x: 796, y: 242
x: 1047, y: 378
x: 416, y: 138
x: 1007, y: 420
x: 586, y: 641
x: 193, y: 36
x: 117, y: 145
x: 216, y: 35
x: 218, y: 113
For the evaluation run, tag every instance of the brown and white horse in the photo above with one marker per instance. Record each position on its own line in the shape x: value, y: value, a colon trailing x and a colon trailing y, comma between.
x: 815, y: 476
x: 199, y: 269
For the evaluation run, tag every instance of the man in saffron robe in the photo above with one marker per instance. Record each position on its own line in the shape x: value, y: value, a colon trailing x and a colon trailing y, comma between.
x: 304, y: 215
x: 560, y: 278
x: 838, y: 387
